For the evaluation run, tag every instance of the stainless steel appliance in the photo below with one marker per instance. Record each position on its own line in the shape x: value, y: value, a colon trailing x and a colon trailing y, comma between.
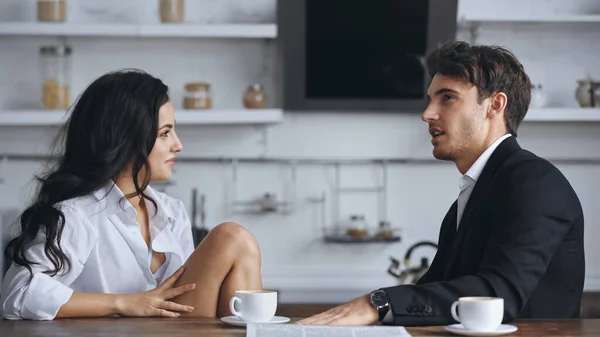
x: 410, y: 274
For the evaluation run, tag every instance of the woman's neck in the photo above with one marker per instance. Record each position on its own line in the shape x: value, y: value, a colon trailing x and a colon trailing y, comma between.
x: 125, y: 184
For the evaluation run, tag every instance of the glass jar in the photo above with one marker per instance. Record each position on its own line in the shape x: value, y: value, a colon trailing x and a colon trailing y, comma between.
x: 255, y: 97
x: 385, y: 230
x: 52, y: 10
x: 56, y: 76
x: 357, y: 226
x: 197, y: 96
x: 172, y: 11
x: 538, y: 97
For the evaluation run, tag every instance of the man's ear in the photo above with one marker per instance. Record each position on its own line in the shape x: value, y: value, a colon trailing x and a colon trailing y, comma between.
x: 497, y: 105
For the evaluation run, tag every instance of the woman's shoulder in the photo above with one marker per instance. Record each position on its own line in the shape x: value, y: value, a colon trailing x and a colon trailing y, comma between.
x: 80, y: 205
x: 78, y: 220
x: 92, y: 209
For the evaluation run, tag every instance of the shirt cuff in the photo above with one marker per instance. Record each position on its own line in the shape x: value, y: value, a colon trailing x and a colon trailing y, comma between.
x: 44, y: 297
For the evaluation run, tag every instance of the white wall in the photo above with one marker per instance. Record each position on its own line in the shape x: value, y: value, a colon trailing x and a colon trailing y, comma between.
x: 294, y: 258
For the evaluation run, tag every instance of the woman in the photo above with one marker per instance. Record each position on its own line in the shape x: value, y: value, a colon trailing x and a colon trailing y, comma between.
x: 99, y: 241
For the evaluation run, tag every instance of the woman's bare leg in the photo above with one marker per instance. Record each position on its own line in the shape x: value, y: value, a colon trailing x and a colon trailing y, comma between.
x: 228, y: 259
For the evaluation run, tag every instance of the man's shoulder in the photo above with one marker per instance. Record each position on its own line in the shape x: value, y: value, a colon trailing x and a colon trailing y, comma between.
x: 524, y: 165
x: 525, y: 175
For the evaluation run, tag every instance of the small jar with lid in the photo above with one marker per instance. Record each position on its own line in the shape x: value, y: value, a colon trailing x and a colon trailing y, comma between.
x: 52, y: 10
x: 172, y: 11
x: 255, y: 97
x: 56, y: 77
x: 357, y: 226
x: 538, y: 97
x: 197, y: 96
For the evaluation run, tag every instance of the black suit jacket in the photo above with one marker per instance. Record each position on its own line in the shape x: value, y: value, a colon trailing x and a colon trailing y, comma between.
x: 520, y: 238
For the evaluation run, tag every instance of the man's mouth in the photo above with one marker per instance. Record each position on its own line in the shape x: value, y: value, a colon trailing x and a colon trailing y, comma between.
x: 436, y: 133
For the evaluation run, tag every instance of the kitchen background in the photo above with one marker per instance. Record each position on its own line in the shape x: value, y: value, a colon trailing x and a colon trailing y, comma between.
x: 412, y: 197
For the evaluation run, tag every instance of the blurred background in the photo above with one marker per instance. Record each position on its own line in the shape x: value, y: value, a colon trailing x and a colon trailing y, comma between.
x: 300, y: 120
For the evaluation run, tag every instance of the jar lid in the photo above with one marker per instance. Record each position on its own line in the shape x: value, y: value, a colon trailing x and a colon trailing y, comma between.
x: 55, y: 50
x: 256, y: 86
x: 197, y: 85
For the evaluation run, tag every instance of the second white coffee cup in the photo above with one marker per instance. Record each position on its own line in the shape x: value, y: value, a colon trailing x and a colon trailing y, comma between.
x: 479, y: 313
x: 256, y: 306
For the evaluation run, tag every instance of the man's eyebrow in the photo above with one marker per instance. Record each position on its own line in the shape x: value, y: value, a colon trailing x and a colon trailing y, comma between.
x: 444, y: 91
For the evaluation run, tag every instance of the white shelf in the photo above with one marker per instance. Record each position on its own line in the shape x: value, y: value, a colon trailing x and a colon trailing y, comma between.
x: 563, y: 115
x: 477, y: 20
x: 269, y: 116
x: 183, y: 117
x: 264, y: 31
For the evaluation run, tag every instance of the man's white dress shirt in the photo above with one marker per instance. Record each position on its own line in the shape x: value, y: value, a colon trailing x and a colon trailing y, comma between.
x: 466, y: 183
x: 107, y: 252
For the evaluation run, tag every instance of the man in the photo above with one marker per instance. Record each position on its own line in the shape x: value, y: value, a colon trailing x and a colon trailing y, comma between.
x: 516, y: 229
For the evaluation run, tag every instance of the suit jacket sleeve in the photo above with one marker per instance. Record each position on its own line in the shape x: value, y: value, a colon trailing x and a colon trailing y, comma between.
x: 529, y: 226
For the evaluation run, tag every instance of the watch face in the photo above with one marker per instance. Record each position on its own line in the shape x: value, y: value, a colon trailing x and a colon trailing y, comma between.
x: 379, y: 298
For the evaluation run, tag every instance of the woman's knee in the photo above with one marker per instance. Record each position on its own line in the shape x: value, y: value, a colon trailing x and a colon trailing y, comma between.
x: 234, y: 235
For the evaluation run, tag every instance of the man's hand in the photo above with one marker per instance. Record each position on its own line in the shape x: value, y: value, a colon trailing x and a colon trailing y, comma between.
x: 357, y: 312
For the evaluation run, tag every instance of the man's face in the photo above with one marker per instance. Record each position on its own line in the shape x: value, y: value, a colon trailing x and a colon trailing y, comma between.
x: 457, y: 122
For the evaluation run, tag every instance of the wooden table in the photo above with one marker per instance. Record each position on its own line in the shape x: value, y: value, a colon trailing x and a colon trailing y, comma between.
x: 165, y: 327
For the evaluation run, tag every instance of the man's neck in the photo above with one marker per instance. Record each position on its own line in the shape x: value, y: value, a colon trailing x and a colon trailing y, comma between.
x: 470, y: 157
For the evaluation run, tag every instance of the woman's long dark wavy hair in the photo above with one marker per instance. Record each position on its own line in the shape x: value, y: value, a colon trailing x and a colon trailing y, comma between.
x: 113, y: 124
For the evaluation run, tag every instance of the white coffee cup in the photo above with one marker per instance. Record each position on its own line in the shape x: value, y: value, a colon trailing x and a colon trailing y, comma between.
x: 256, y: 306
x: 479, y: 313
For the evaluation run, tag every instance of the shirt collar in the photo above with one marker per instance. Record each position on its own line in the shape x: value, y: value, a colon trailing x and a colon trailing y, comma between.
x: 114, y: 201
x: 161, y: 206
x: 475, y: 170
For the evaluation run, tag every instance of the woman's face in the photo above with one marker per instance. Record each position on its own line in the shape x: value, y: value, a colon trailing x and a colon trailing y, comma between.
x: 162, y: 156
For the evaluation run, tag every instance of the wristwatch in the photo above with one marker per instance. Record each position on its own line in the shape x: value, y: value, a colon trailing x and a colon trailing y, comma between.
x: 379, y: 300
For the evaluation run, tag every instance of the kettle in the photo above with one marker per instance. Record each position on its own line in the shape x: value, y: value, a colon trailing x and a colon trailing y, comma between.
x: 410, y: 275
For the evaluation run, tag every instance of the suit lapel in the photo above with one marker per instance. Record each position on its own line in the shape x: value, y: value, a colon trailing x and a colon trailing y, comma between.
x: 448, y: 231
x: 508, y: 146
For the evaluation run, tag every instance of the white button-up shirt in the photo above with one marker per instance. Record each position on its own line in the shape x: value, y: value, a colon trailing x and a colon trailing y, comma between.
x: 466, y: 183
x: 107, y: 251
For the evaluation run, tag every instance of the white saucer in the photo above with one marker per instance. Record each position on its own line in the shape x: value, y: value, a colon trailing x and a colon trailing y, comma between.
x: 234, y: 320
x: 460, y: 330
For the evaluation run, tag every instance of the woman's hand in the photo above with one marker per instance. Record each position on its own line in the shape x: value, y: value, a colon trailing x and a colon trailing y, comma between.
x: 155, y: 302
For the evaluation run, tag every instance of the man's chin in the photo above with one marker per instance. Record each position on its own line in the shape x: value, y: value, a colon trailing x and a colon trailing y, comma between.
x: 442, y: 155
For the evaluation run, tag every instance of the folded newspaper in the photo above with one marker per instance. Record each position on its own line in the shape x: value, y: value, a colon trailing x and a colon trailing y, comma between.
x: 298, y: 330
